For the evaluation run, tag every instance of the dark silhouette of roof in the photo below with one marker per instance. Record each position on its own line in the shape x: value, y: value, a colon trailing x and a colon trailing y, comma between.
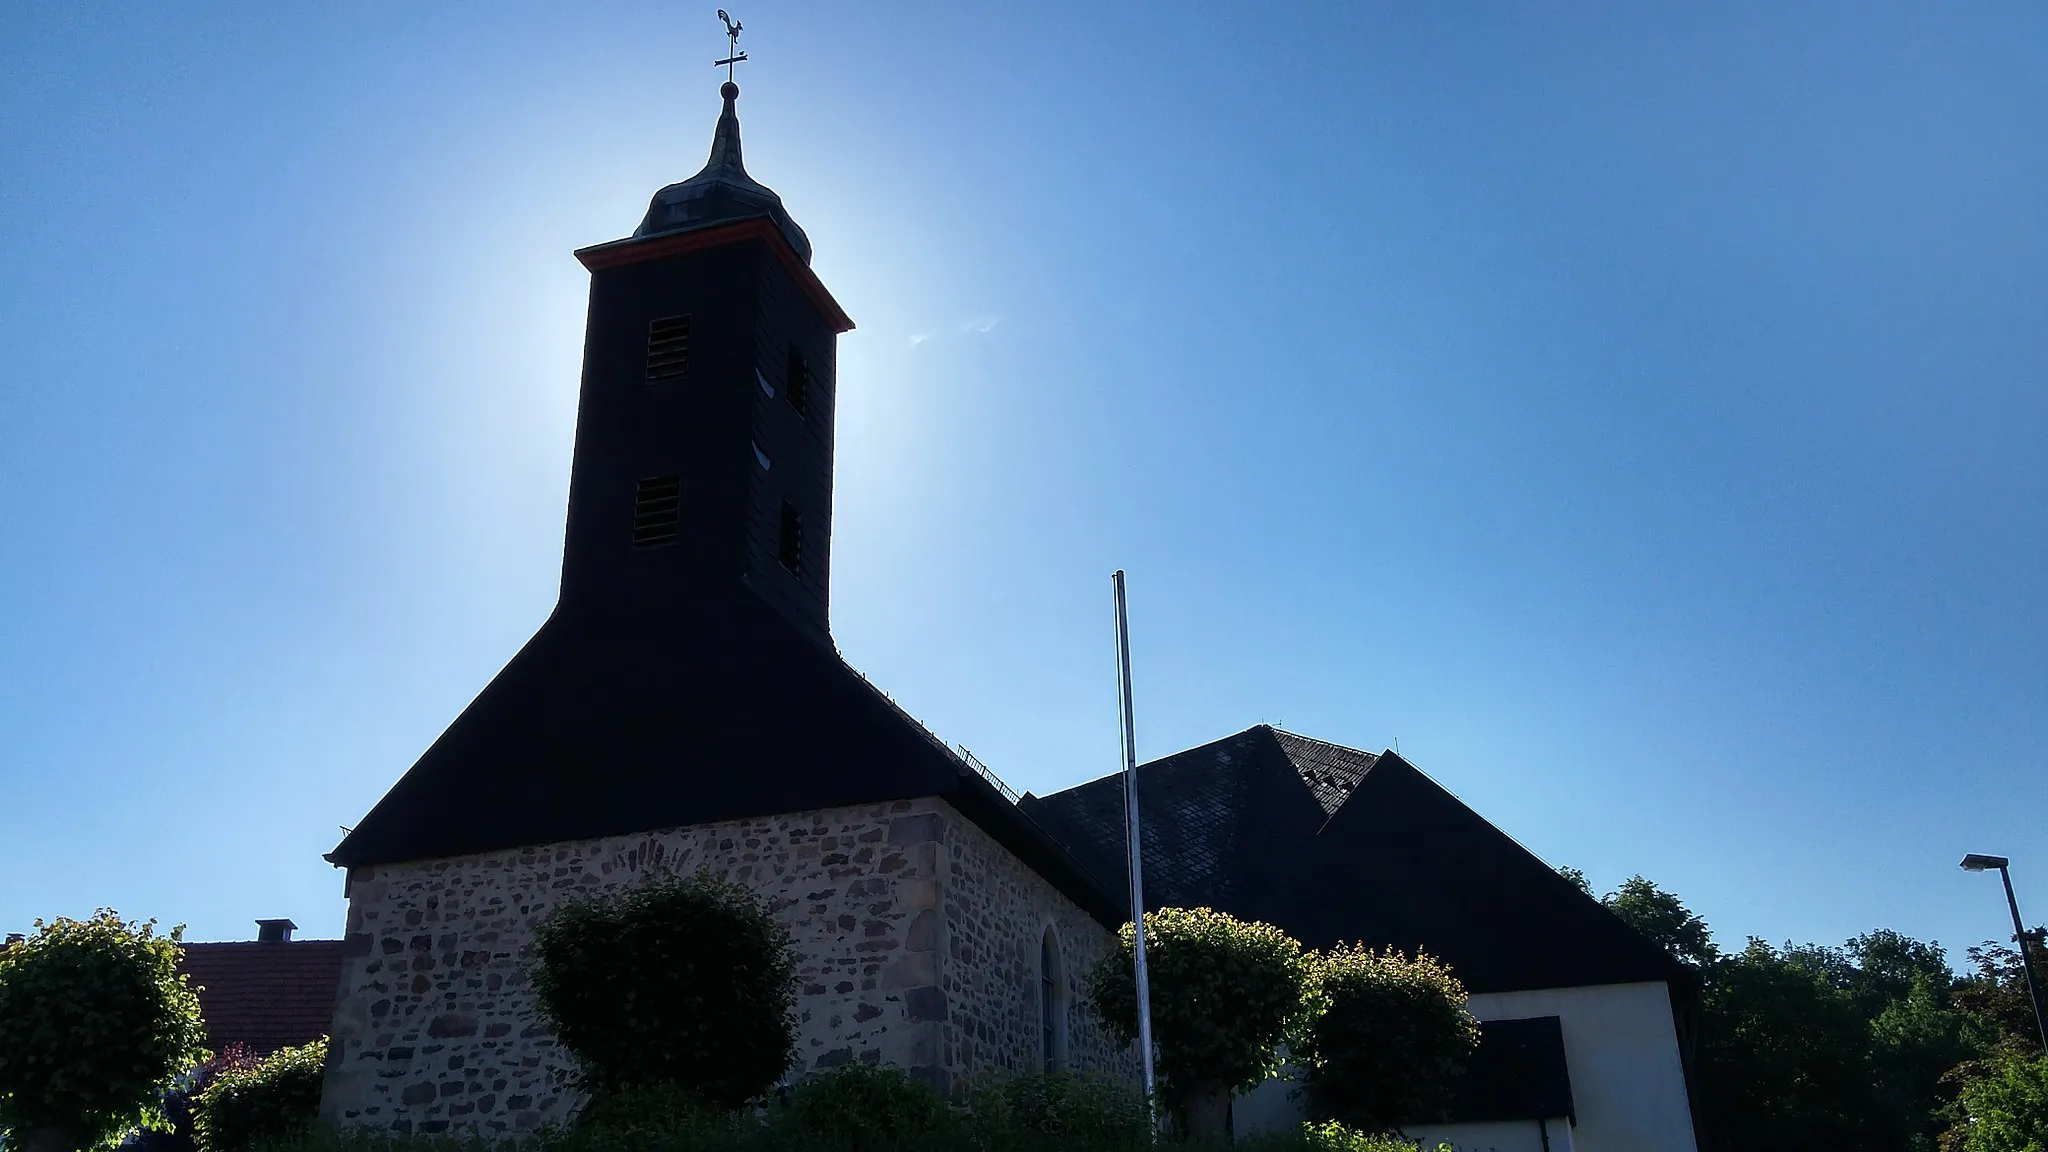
x: 265, y: 995
x: 1336, y: 845
x: 613, y: 721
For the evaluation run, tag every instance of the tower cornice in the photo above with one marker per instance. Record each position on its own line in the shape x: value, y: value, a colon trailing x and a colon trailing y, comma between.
x: 639, y: 249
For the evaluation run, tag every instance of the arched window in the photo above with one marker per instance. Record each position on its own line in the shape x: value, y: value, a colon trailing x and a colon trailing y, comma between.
x: 1052, y: 1003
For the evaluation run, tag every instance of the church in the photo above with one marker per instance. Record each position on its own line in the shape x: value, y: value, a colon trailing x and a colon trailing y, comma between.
x: 684, y: 707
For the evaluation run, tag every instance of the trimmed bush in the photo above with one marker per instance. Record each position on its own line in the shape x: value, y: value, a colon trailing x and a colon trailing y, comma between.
x: 96, y: 1025
x: 249, y: 1106
x: 1224, y: 993
x: 690, y: 983
x: 864, y: 1108
x: 1385, y: 1038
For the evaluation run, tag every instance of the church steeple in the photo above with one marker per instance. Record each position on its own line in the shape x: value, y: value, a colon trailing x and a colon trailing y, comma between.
x: 704, y: 437
x: 687, y: 674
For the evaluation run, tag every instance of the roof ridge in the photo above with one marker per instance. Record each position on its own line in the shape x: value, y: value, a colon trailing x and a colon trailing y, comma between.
x: 1325, y: 743
x: 1158, y: 760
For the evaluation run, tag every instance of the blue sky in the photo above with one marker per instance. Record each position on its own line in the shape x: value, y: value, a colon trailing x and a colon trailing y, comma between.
x: 1635, y: 411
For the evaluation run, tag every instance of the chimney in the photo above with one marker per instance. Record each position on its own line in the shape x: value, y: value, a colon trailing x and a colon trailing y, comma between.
x: 14, y: 938
x: 274, y: 931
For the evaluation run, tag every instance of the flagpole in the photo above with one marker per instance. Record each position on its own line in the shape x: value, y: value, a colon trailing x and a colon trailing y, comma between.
x: 1131, y: 839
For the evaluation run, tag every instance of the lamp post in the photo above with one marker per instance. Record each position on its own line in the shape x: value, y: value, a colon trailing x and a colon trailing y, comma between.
x: 1978, y: 863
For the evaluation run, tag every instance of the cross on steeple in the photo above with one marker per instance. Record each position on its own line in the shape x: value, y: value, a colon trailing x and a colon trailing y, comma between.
x: 732, y: 39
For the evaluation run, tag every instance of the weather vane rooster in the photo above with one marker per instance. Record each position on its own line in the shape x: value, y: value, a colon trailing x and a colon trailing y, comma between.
x: 733, y: 54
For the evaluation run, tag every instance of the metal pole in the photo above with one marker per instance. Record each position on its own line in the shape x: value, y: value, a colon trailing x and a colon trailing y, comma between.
x: 2019, y: 929
x: 1131, y: 842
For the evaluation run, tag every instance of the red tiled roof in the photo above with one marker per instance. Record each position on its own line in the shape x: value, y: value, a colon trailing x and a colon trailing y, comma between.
x: 267, y: 996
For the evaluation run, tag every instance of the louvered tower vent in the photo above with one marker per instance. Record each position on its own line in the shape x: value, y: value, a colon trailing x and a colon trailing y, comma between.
x: 668, y: 348
x: 657, y: 503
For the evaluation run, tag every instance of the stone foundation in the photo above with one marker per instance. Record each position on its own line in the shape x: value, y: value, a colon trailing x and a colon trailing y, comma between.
x: 918, y: 940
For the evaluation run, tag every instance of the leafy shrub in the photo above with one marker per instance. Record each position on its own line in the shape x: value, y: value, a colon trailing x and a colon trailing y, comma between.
x: 1328, y: 1136
x: 777, y: 1132
x: 96, y: 1024
x: 176, y: 1134
x: 1059, y: 1110
x: 683, y: 982
x: 248, y: 1106
x: 1384, y: 1039
x: 1224, y: 993
x: 862, y: 1108
x: 652, y: 1114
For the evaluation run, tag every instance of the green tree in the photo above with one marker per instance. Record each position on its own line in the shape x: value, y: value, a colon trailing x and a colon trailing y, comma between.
x: 1224, y: 994
x: 95, y: 1023
x: 2006, y: 1108
x: 1915, y: 1041
x: 1384, y: 1040
x: 1784, y: 1053
x: 690, y: 983
x: 1905, y: 988
x: 1578, y: 880
x: 1888, y: 966
x: 1665, y: 919
x: 1993, y: 997
x: 1858, y: 1047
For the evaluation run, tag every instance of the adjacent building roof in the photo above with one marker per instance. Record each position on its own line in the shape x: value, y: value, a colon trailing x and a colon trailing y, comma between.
x: 1337, y: 845
x: 265, y: 995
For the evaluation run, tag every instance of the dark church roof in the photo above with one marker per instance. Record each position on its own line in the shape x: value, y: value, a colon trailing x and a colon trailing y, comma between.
x: 608, y: 723
x: 1336, y: 845
x: 267, y: 996
x: 722, y: 191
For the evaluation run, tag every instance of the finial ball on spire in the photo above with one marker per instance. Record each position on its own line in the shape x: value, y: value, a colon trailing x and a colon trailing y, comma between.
x: 729, y: 90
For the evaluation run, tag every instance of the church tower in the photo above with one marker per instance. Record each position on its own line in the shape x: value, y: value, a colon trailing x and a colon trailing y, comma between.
x: 704, y: 431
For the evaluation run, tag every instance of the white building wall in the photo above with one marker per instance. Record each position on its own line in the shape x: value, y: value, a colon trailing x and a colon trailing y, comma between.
x: 1620, y: 1048
x: 1269, y: 1107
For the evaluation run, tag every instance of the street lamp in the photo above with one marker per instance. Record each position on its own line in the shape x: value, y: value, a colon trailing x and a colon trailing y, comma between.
x: 1978, y: 863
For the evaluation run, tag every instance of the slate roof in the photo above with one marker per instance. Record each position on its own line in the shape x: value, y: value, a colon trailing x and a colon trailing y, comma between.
x: 266, y: 996
x: 1210, y: 817
x: 614, y: 719
x: 1337, y: 845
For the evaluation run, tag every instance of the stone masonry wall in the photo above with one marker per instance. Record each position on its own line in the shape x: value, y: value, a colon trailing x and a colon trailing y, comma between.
x: 435, y: 1027
x: 917, y: 935
x: 995, y: 913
